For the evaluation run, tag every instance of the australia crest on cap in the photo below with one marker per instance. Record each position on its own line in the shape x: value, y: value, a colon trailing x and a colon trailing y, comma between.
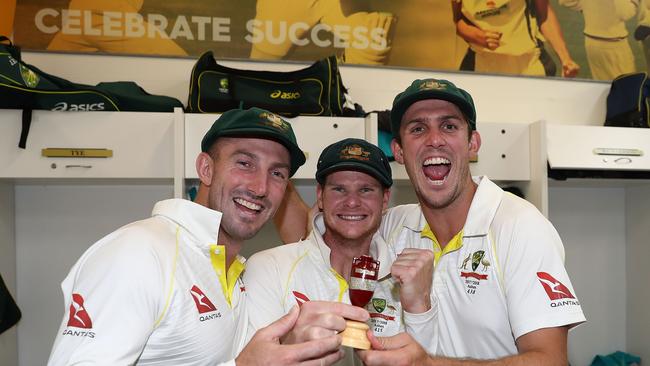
x: 432, y: 84
x: 354, y: 152
x: 272, y: 120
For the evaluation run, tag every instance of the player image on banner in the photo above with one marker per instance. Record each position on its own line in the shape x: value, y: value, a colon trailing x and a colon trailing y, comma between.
x: 503, y: 36
x: 280, y: 25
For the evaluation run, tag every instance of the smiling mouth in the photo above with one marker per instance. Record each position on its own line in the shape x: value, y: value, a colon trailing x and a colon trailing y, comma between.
x: 248, y: 204
x: 436, y: 169
x: 351, y: 217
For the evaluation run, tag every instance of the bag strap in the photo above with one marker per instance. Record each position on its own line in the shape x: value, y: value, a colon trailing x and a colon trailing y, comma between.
x: 27, y: 123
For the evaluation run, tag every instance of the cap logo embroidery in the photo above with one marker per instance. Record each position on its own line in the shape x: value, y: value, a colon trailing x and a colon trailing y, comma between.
x: 203, y: 304
x: 79, y: 318
x: 272, y: 120
x: 432, y: 84
x: 355, y: 152
x: 554, y: 288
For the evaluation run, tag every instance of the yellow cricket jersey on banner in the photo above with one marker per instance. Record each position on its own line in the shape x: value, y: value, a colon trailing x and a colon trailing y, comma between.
x: 505, y: 279
x: 148, y: 294
x: 510, y: 17
x: 279, y: 278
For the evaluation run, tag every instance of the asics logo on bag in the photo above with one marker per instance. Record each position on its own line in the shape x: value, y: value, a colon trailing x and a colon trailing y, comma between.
x: 284, y: 95
x: 63, y: 106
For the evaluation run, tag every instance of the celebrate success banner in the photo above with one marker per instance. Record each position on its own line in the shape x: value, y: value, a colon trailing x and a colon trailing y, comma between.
x: 520, y: 37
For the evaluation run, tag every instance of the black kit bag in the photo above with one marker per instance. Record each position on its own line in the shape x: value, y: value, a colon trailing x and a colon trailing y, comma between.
x: 627, y: 101
x: 313, y: 91
x: 23, y: 86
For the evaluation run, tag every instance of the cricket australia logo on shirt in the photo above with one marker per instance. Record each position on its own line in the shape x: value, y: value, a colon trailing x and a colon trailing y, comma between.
x: 478, y: 263
x: 382, y: 314
x: 559, y: 294
x: 204, y: 305
x: 79, y: 318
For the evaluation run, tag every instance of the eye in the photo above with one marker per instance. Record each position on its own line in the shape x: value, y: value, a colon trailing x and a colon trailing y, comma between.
x: 279, y: 174
x: 449, y: 126
x: 244, y: 164
x: 416, y: 129
x: 338, y: 189
x: 366, y: 190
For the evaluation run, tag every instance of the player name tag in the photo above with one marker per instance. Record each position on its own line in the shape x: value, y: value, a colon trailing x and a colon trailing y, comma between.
x: 58, y: 152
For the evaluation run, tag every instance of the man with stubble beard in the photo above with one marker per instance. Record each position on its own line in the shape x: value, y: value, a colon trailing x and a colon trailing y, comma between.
x: 168, y: 289
x: 499, y: 282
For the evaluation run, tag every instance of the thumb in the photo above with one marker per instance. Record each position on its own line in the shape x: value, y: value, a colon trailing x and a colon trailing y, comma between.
x: 397, y: 341
x: 283, y: 325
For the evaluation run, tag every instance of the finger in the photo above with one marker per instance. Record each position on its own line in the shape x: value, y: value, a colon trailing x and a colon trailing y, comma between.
x: 379, y: 358
x: 397, y: 341
x: 316, y: 332
x: 337, y: 308
x: 281, y: 326
x: 375, y: 343
x: 327, y: 360
x: 314, y: 349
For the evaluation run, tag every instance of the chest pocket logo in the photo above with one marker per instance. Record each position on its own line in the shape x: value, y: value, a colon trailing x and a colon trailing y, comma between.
x: 479, y: 263
x: 379, y: 304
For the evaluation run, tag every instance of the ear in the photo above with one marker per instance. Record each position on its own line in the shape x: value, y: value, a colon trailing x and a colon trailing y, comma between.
x: 205, y: 168
x: 396, y: 148
x: 319, y: 196
x: 386, y: 199
x: 474, y: 143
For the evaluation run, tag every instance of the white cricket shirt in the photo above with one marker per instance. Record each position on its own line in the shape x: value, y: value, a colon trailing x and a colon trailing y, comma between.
x: 150, y: 293
x: 279, y: 278
x: 503, y: 277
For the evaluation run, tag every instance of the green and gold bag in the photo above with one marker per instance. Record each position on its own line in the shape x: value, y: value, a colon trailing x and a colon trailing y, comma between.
x: 313, y: 91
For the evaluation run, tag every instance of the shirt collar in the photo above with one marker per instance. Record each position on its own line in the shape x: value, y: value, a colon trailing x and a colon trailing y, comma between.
x: 201, y: 222
x: 483, y: 208
x: 379, y: 249
x: 484, y: 204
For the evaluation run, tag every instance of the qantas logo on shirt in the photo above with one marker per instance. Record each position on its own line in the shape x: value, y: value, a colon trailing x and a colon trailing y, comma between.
x: 554, y: 288
x: 79, y: 318
x: 203, y: 304
x: 300, y: 297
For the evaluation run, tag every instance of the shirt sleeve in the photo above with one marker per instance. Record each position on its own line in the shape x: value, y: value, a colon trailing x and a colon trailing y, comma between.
x: 264, y: 288
x: 538, y: 290
x: 422, y: 327
x: 113, y: 299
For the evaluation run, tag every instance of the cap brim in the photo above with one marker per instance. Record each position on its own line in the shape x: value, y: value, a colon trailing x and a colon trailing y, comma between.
x: 398, y: 110
x: 295, y: 153
x: 320, y: 175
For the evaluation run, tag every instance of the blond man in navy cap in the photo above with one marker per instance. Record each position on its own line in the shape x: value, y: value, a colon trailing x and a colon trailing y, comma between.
x: 167, y: 290
x: 354, y: 180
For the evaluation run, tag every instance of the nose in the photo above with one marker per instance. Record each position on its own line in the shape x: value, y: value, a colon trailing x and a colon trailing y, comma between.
x: 435, y: 138
x: 259, y: 184
x: 352, y: 200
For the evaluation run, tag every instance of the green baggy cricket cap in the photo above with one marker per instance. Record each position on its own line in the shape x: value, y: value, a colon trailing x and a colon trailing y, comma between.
x: 431, y: 89
x: 256, y: 122
x: 354, y: 154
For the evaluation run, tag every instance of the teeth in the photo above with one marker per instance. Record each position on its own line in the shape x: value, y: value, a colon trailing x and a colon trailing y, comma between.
x: 437, y: 160
x: 351, y: 217
x: 436, y: 182
x: 248, y: 204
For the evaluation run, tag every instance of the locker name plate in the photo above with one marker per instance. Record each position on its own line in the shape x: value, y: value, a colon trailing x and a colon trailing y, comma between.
x: 617, y: 151
x: 60, y: 152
